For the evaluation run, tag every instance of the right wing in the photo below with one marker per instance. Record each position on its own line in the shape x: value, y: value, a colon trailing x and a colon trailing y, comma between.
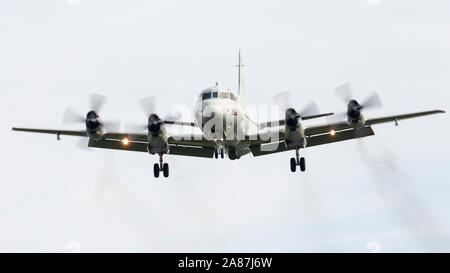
x: 323, y: 129
x: 321, y: 134
x: 182, y: 123
x: 399, y: 117
x: 277, y: 147
x: 281, y: 122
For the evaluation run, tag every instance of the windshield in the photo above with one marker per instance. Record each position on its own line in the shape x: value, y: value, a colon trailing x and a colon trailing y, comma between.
x: 224, y: 95
x: 220, y: 95
x: 206, y: 96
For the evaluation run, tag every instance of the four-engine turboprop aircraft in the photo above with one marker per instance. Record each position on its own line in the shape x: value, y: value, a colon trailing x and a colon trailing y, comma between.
x: 226, y: 129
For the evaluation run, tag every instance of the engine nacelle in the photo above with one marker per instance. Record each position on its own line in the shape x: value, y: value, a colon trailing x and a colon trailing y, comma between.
x: 291, y: 119
x: 295, y: 142
x: 157, y: 145
x: 353, y: 111
x: 294, y: 132
x: 157, y: 136
x: 354, y: 115
x: 94, y: 125
x: 154, y: 125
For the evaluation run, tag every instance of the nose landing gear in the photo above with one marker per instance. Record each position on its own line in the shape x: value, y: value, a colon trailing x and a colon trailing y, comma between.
x: 218, y: 151
x: 161, y: 167
x: 298, y: 161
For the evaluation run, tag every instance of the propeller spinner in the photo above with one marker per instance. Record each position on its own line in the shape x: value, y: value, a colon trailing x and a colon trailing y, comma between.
x: 94, y: 125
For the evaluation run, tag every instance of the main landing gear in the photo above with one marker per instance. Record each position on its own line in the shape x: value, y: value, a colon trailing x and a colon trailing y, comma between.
x: 161, y: 167
x: 298, y: 162
x: 218, y: 151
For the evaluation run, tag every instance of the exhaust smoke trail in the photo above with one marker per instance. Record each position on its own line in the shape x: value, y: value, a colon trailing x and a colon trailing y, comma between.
x: 316, y: 212
x: 394, y: 187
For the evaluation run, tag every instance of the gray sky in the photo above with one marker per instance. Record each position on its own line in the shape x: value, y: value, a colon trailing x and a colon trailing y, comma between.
x: 54, y: 53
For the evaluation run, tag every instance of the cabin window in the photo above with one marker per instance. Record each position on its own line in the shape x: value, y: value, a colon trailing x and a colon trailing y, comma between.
x: 233, y: 97
x: 215, y: 94
x: 206, y: 96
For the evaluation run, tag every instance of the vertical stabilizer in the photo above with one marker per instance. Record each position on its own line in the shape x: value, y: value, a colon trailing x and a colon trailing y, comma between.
x: 240, y: 79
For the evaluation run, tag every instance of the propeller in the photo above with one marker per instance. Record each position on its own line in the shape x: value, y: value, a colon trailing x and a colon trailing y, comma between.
x: 92, y: 119
x: 148, y: 106
x: 345, y: 93
x: 95, y: 102
x: 373, y: 101
x: 83, y: 144
x: 284, y: 99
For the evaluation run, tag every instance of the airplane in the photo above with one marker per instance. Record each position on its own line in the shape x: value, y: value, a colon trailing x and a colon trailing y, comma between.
x: 226, y: 128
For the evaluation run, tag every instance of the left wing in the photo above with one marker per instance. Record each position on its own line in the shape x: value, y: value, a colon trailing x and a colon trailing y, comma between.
x: 188, y: 145
x: 54, y: 132
x: 195, y: 151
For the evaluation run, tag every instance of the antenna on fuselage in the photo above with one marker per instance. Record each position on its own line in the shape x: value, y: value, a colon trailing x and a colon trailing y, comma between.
x: 240, y: 79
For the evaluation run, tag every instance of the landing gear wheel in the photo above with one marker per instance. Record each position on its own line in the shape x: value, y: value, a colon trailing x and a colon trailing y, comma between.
x: 302, y: 164
x: 293, y: 165
x: 156, y: 170
x: 216, y: 155
x: 166, y: 170
x: 221, y: 153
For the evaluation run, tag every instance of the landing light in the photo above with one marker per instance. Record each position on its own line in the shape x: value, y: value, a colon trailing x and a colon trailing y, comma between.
x: 125, y: 141
x: 332, y: 132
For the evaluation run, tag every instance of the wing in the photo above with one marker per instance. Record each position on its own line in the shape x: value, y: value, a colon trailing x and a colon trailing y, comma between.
x: 277, y: 147
x: 182, y: 123
x: 187, y: 145
x: 54, y: 132
x: 321, y: 134
x: 323, y: 129
x: 281, y: 122
x: 404, y: 116
x: 114, y: 144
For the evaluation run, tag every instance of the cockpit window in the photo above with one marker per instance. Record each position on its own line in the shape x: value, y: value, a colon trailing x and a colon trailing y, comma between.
x: 215, y: 94
x: 206, y: 96
x: 224, y: 95
x: 232, y: 96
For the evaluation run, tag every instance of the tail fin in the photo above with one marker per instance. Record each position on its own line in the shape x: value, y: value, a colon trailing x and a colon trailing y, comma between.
x: 240, y: 79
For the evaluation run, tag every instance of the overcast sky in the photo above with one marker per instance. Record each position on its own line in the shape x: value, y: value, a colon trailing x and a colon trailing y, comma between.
x: 388, y: 192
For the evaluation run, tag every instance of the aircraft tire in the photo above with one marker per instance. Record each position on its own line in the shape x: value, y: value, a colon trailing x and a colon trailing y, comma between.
x: 302, y: 164
x: 293, y: 165
x: 156, y: 170
x: 166, y: 170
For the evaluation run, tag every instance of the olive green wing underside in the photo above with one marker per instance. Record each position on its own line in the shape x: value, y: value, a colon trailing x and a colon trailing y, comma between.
x: 259, y: 144
x: 195, y: 151
x: 50, y: 131
x: 278, y: 147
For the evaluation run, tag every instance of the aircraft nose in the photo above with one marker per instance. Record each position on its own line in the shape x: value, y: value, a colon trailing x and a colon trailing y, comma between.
x: 211, y: 111
x: 214, y: 115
